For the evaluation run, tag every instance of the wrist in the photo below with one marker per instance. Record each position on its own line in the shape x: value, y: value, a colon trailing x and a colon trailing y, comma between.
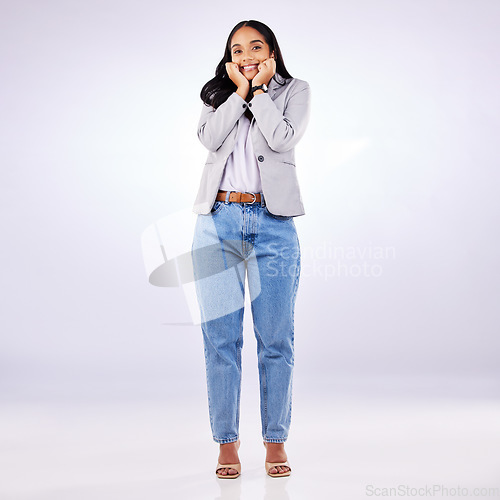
x: 256, y: 90
x: 243, y: 91
x: 255, y: 82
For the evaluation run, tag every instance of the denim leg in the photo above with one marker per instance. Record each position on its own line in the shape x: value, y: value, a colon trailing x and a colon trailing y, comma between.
x: 273, y: 278
x: 223, y: 341
x: 219, y: 272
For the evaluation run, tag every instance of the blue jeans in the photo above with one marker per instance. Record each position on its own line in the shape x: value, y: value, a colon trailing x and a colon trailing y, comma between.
x: 235, y: 240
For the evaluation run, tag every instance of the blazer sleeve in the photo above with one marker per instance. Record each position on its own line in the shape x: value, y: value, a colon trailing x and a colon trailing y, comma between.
x: 283, y: 131
x: 215, y: 124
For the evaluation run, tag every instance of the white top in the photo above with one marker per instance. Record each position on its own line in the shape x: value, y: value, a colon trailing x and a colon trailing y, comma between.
x: 241, y: 172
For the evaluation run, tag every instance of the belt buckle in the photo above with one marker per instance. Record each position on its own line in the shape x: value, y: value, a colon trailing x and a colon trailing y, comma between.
x: 254, y: 198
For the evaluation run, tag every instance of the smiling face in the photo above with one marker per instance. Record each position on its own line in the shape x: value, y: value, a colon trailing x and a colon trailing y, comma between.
x: 248, y: 50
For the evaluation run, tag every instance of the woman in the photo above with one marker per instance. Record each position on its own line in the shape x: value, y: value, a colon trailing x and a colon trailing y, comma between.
x: 254, y: 113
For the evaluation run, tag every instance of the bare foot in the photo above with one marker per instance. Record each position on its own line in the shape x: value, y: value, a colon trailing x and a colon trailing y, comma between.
x: 276, y: 453
x: 228, y: 454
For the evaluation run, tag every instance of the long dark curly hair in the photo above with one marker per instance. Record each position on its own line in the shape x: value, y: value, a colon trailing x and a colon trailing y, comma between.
x: 220, y: 87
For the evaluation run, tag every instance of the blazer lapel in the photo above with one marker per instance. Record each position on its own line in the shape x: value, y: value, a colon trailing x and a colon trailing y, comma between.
x: 275, y: 84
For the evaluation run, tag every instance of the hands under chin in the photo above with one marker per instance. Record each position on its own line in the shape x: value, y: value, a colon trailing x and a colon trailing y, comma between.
x: 267, y: 69
x: 235, y: 75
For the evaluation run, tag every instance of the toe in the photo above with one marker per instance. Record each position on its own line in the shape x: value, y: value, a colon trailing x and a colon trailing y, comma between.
x: 224, y: 471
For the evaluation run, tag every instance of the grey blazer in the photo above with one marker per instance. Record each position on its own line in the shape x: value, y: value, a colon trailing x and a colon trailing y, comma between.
x: 280, y: 118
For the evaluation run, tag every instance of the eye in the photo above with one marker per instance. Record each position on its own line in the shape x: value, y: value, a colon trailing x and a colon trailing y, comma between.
x: 254, y: 47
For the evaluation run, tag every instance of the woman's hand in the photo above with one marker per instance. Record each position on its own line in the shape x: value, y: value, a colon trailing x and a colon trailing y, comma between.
x: 267, y: 69
x: 233, y: 70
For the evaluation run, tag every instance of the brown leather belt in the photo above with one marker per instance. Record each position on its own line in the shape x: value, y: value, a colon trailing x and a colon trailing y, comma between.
x: 236, y: 196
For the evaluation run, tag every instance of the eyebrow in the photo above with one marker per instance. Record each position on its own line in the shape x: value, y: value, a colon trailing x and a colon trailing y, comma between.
x: 253, y: 41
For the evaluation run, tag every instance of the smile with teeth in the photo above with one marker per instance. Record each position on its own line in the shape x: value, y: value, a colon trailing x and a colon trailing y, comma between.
x: 250, y: 67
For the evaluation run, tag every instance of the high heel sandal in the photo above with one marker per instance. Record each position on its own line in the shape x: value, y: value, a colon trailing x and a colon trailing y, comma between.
x: 229, y: 466
x: 270, y: 465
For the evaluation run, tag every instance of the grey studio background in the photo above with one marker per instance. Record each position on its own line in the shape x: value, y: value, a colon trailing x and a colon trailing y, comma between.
x: 397, y: 371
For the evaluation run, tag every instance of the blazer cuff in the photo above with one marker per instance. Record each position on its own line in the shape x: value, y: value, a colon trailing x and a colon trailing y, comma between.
x: 236, y: 97
x: 235, y: 103
x: 233, y: 108
x: 215, y: 124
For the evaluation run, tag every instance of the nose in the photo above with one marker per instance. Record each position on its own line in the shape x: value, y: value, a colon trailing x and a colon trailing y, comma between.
x: 247, y: 60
